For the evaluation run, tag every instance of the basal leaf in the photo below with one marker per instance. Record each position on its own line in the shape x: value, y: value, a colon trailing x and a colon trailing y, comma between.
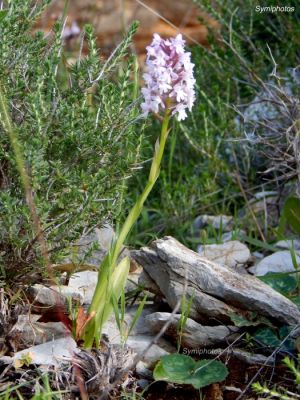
x: 182, y: 369
x: 207, y: 372
x: 240, y: 321
x: 283, y: 284
x: 174, y: 368
x: 267, y: 336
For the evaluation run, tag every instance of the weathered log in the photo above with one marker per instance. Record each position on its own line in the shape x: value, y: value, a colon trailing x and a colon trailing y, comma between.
x: 217, y: 291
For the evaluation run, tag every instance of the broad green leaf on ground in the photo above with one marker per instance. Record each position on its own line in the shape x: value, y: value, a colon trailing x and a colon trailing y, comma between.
x: 289, y: 344
x: 267, y: 336
x: 207, y: 372
x: 296, y: 300
x: 182, y: 369
x: 270, y: 338
x: 282, y: 283
x: 174, y: 368
x: 253, y: 320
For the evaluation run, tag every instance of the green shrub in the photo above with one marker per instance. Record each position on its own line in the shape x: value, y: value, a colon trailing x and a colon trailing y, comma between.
x: 76, y: 126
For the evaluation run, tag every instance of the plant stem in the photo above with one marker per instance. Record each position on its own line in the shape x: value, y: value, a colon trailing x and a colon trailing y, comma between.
x: 109, y: 263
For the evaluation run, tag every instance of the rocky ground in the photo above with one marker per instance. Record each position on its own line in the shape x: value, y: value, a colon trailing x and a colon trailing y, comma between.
x: 228, y: 302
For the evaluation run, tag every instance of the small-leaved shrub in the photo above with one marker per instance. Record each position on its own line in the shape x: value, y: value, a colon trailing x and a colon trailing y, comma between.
x: 76, y: 126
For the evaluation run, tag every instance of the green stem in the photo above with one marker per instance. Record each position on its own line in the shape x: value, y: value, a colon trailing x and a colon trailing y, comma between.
x: 109, y: 263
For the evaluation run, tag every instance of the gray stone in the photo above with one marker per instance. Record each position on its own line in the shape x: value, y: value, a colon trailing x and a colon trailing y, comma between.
x: 84, y: 283
x: 50, y: 296
x: 264, y: 194
x: 28, y: 332
x: 148, y: 283
x: 231, y: 254
x: 54, y: 352
x: 260, y: 206
x: 139, y: 344
x: 142, y: 370
x: 265, y: 210
x: 194, y: 335
x: 281, y: 261
x: 258, y: 255
x: 216, y: 221
x: 288, y: 244
x: 143, y: 383
x: 102, y: 238
x: 232, y: 235
x: 90, y: 250
x: 217, y: 291
x: 132, y: 282
x: 264, y: 108
x: 5, y: 360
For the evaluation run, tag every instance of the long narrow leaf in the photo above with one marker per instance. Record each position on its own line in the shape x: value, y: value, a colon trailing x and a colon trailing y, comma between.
x: 137, y: 314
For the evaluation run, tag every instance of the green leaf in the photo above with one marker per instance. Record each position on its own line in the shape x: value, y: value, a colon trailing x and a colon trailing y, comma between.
x: 267, y: 336
x: 207, y: 372
x: 283, y: 284
x: 116, y: 309
x: 137, y: 314
x: 252, y: 320
x: 288, y: 344
x: 258, y: 243
x: 182, y: 369
x: 291, y: 211
x: 174, y: 368
x: 296, y: 300
x: 118, y: 279
x: 3, y: 14
x: 240, y: 321
x: 159, y: 374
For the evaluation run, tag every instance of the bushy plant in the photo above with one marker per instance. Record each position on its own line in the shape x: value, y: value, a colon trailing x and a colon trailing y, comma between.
x: 76, y: 128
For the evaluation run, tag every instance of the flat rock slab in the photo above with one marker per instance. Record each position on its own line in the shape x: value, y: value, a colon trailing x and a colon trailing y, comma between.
x: 54, y: 352
x: 232, y: 253
x: 28, y: 332
x: 194, y: 335
x: 217, y: 291
x: 50, y: 296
